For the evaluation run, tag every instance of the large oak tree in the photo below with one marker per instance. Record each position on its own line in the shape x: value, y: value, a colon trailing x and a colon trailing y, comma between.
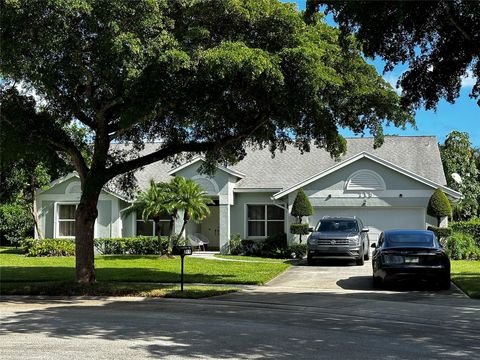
x: 209, y: 76
x: 439, y: 41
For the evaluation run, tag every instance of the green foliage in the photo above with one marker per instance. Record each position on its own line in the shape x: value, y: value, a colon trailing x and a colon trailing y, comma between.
x: 252, y: 247
x: 206, y: 77
x: 141, y: 245
x: 459, y: 156
x: 301, y: 206
x: 461, y: 246
x: 16, y: 222
x: 297, y: 251
x: 471, y: 227
x: 299, y: 229
x: 235, y: 244
x: 440, y: 232
x: 422, y: 34
x: 48, y: 247
x: 439, y: 205
x: 275, y: 246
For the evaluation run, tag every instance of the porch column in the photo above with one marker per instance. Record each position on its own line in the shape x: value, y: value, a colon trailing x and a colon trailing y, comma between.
x: 224, y: 223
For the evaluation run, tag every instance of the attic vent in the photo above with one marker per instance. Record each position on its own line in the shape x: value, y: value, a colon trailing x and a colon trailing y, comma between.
x: 365, y: 180
x: 208, y: 185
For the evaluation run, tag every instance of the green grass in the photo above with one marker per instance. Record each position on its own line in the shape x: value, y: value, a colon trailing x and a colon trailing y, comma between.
x: 15, y: 267
x: 466, y: 275
x: 253, y: 258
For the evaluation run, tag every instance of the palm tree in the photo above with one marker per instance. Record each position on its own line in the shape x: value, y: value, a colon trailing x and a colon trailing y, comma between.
x: 190, y: 197
x: 153, y: 203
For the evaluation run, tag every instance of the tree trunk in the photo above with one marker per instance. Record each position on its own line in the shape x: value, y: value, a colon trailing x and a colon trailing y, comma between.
x: 85, y: 217
x: 183, y: 228
x: 34, y: 211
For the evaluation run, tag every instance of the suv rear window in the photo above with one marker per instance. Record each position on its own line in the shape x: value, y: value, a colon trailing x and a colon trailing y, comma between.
x: 338, y: 225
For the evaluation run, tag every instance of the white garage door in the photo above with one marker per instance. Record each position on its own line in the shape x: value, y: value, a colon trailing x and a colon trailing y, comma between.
x: 377, y: 219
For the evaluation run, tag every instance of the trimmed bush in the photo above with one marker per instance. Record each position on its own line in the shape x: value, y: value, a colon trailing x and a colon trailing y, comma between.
x: 471, y: 227
x: 48, y: 247
x: 235, y: 244
x: 439, y: 205
x: 301, y: 205
x: 299, y: 229
x: 252, y: 247
x: 441, y: 233
x: 461, y: 246
x: 297, y: 251
x: 142, y: 245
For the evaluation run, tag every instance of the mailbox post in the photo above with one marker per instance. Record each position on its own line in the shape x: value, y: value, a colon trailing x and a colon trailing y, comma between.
x: 183, y: 250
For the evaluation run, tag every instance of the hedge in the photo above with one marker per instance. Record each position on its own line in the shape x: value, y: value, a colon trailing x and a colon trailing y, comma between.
x: 461, y: 246
x: 141, y: 245
x: 48, y: 247
x: 299, y: 229
x: 440, y: 232
x: 471, y: 227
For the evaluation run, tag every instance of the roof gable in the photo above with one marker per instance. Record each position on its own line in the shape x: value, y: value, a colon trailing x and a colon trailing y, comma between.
x: 373, y: 158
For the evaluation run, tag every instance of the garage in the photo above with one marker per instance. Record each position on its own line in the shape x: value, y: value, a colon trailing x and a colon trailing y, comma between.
x: 376, y: 219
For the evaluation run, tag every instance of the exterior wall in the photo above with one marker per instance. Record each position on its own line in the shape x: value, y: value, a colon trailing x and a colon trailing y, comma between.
x: 238, y: 212
x: 108, y: 223
x: 225, y: 183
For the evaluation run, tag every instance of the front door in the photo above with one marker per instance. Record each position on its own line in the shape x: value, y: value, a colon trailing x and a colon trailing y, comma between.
x: 210, y: 226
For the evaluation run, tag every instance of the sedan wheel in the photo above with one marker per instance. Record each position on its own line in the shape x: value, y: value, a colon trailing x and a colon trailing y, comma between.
x: 377, y: 282
x: 444, y: 283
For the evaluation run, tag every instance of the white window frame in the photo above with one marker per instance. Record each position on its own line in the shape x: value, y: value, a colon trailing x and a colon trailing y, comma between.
x: 135, y: 219
x: 56, y: 220
x: 264, y: 220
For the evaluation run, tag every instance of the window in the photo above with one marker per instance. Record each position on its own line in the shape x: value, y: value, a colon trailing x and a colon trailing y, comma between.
x: 149, y: 228
x: 66, y: 220
x: 265, y: 220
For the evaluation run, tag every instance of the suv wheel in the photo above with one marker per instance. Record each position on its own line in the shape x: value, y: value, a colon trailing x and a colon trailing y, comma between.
x: 360, y: 261
x: 367, y: 254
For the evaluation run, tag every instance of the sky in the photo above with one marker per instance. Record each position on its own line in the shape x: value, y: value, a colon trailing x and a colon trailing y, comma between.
x: 463, y: 115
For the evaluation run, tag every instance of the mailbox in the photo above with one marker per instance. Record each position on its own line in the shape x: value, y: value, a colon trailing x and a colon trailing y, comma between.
x: 183, y: 250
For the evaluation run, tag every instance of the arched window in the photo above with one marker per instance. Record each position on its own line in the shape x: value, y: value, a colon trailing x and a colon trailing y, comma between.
x: 74, y: 188
x: 365, y: 180
x: 208, y: 184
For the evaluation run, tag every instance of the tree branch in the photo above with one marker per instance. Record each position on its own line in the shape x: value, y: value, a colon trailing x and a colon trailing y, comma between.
x: 451, y: 16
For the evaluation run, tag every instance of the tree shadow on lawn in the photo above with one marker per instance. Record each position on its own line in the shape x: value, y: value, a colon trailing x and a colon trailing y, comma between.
x: 37, y: 274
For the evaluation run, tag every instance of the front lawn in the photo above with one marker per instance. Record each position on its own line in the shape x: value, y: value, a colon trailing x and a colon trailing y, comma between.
x: 15, y: 267
x: 466, y: 275
x: 252, y: 258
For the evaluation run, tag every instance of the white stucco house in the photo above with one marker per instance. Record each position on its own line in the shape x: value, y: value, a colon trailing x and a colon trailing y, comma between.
x: 387, y: 188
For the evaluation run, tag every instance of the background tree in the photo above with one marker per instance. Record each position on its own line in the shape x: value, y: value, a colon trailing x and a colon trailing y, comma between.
x: 440, y: 41
x: 301, y: 207
x: 439, y: 205
x: 206, y: 77
x: 458, y: 156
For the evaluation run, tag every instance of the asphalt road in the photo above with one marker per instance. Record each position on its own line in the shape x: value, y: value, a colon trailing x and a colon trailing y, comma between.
x: 282, y: 320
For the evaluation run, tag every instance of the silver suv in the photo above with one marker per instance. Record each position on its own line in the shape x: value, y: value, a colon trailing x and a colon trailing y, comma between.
x: 338, y: 238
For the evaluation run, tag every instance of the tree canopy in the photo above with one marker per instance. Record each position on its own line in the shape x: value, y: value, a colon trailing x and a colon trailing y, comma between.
x: 206, y: 77
x: 440, y: 41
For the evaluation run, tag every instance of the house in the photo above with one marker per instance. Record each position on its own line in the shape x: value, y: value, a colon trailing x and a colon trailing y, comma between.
x: 387, y: 188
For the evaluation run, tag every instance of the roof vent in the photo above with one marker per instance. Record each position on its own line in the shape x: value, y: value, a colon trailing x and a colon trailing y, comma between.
x: 363, y: 180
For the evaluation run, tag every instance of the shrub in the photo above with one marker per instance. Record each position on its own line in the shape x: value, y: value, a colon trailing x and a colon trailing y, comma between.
x: 441, y: 233
x: 438, y: 205
x: 236, y: 245
x: 471, y: 227
x: 48, y: 247
x: 461, y: 246
x: 16, y: 222
x: 299, y: 229
x: 142, y: 245
x: 252, y: 247
x: 275, y: 246
x: 297, y: 251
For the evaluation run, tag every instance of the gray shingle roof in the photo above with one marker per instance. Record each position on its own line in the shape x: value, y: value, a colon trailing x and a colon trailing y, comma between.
x: 419, y: 154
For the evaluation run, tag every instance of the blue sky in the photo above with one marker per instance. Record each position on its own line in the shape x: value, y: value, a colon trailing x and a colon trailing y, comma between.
x: 463, y: 115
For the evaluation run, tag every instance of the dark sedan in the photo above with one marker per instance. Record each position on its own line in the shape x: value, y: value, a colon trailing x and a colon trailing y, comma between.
x: 410, y: 254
